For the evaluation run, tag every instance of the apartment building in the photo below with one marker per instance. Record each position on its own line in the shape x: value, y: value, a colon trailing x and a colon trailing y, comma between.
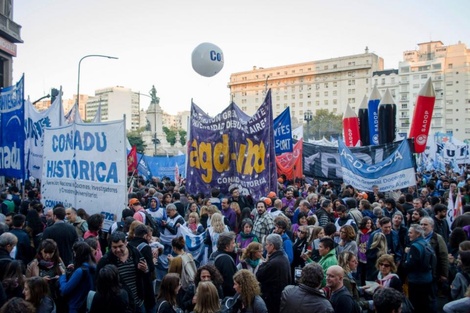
x: 325, y: 84
x: 449, y: 69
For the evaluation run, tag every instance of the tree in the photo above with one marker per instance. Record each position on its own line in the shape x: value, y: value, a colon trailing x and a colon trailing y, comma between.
x: 324, y: 124
x: 183, y: 138
x: 135, y: 139
x: 170, y: 135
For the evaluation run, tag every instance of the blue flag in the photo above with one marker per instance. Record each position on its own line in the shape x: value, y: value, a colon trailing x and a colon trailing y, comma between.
x: 283, y: 132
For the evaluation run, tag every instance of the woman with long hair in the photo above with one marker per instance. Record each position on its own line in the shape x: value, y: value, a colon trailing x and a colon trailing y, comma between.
x: 347, y: 234
x: 245, y: 237
x: 366, y: 227
x: 192, y: 208
x: 317, y: 233
x: 169, y: 288
x: 95, y: 223
x: 166, y: 199
x: 252, y: 257
x: 207, y: 298
x: 300, y: 247
x: 77, y: 284
x: 193, y: 223
x: 49, y: 266
x: 348, y: 261
x: 213, y: 232
x: 247, y: 293
x: 204, y: 273
x: 377, y: 248
x: 34, y: 227
x: 238, y: 212
x: 302, y: 220
x: 13, y: 279
x: 36, y: 292
x: 204, y: 214
x: 109, y: 296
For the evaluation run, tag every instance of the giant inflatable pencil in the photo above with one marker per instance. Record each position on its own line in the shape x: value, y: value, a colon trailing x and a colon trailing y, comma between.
x: 422, y: 116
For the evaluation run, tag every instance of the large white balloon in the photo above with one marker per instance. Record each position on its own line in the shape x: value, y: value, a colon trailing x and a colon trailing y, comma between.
x: 207, y: 59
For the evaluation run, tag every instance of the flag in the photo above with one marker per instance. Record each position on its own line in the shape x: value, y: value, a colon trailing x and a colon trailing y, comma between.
x: 132, y: 160
x: 458, y: 204
x: 177, y: 174
x: 73, y: 116
x: 143, y: 167
x: 97, y: 118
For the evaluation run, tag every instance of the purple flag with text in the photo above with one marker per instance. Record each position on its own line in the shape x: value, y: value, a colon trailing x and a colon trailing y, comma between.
x: 232, y: 149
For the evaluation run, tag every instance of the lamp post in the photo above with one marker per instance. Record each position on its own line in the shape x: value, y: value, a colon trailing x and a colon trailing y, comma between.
x: 78, y: 80
x: 308, y: 118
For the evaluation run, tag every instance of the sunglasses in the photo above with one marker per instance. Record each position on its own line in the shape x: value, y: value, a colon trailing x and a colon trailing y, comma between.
x: 384, y: 264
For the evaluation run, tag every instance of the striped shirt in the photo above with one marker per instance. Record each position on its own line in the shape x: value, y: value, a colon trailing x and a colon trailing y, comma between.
x: 128, y: 274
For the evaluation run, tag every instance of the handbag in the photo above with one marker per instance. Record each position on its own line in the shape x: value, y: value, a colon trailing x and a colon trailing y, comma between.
x: 406, y: 306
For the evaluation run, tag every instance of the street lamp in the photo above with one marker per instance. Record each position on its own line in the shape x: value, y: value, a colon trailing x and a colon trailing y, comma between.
x: 155, y: 141
x: 308, y: 117
x: 78, y: 80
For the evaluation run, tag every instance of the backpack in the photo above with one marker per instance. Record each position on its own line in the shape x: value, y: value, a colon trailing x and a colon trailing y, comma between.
x: 212, y: 259
x: 149, y: 221
x: 188, y: 271
x: 429, y: 259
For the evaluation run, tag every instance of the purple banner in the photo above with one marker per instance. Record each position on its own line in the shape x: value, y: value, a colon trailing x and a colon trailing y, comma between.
x: 232, y: 149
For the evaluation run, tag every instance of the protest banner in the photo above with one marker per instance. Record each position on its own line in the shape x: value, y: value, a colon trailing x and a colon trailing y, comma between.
x: 12, y: 134
x: 232, y: 149
x: 283, y: 132
x: 394, y: 172
x: 85, y: 166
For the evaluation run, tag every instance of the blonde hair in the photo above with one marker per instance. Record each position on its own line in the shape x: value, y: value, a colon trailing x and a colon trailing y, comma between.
x: 204, y: 210
x: 207, y: 298
x: 195, y: 215
x: 217, y: 223
x: 379, y: 242
x: 212, y: 209
x: 249, y: 286
x: 134, y: 224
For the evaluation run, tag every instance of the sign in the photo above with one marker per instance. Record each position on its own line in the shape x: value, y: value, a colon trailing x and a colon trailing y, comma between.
x: 12, y: 134
x: 232, y: 149
x: 394, y: 172
x: 8, y: 47
x: 85, y: 166
x: 323, y: 162
x: 283, y: 132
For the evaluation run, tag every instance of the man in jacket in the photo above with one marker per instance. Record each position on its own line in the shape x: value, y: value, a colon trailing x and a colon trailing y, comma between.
x: 274, y: 274
x: 341, y: 299
x: 393, y: 242
x: 63, y: 234
x: 224, y: 261
x: 306, y: 297
x: 132, y: 269
x: 420, y: 277
x: 326, y: 249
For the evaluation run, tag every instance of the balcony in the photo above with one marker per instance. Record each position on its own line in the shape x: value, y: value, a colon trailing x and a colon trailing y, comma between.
x: 10, y: 30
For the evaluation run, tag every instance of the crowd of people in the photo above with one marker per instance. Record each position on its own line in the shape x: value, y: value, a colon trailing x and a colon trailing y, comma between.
x: 318, y: 247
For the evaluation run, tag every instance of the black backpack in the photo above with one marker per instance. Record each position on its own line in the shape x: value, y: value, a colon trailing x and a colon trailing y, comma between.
x: 429, y: 260
x: 150, y: 221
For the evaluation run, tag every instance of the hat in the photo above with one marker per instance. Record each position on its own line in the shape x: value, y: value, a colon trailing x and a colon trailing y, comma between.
x: 272, y: 194
x: 363, y: 195
x: 325, y: 183
x: 267, y: 201
x: 134, y: 201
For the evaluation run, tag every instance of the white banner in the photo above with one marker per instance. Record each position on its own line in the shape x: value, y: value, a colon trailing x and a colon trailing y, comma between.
x: 35, y: 124
x: 85, y: 166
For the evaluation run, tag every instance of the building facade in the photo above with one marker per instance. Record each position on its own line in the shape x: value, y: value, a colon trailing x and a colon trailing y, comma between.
x: 325, y: 84
x: 10, y: 35
x: 115, y: 103
x: 449, y: 69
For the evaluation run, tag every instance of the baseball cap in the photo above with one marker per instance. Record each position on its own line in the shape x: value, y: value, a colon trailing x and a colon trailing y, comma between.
x: 272, y: 194
x: 267, y: 201
x: 134, y: 201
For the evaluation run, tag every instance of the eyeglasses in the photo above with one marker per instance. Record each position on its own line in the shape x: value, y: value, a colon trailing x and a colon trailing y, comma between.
x: 384, y: 264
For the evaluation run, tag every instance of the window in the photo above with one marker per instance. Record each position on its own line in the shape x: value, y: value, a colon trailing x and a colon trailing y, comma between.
x: 325, y: 102
x: 335, y: 84
x: 309, y: 95
x: 335, y: 101
x: 278, y: 106
x: 335, y: 110
x: 351, y: 100
x: 351, y: 82
x: 335, y: 66
x: 325, y: 67
x: 335, y: 92
x: 317, y: 94
x: 450, y: 65
x: 317, y: 103
x: 326, y: 85
x: 326, y: 93
x: 292, y: 105
x: 243, y: 101
x: 301, y: 104
x: 293, y: 97
x: 351, y: 74
x: 424, y: 76
x: 301, y: 96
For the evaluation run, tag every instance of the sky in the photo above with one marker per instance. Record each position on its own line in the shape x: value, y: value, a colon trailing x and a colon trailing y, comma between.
x: 154, y: 39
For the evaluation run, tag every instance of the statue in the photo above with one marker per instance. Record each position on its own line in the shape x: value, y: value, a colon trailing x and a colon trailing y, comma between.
x: 153, y: 95
x: 147, y: 126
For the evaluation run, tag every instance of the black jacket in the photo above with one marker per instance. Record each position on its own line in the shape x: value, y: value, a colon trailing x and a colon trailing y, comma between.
x: 143, y: 281
x: 65, y: 236
x: 304, y: 299
x: 227, y: 268
x: 274, y: 275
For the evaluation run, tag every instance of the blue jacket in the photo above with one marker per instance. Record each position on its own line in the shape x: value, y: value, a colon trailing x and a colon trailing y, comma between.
x: 78, y: 286
x: 418, y: 273
x: 288, y: 249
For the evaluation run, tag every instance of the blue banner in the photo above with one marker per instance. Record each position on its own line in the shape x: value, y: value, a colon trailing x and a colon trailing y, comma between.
x: 12, y: 131
x: 283, y: 132
x: 161, y: 166
x: 395, y: 172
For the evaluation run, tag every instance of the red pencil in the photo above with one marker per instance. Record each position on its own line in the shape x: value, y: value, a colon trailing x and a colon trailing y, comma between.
x: 422, y: 116
x: 351, y: 127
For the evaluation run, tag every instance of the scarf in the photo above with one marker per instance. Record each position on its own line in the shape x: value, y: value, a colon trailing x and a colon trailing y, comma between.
x: 385, y: 281
x: 45, y: 265
x: 252, y: 263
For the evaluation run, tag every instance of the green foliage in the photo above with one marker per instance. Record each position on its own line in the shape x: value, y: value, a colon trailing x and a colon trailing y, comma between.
x: 135, y: 139
x: 170, y: 135
x: 183, y: 138
x: 324, y: 124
